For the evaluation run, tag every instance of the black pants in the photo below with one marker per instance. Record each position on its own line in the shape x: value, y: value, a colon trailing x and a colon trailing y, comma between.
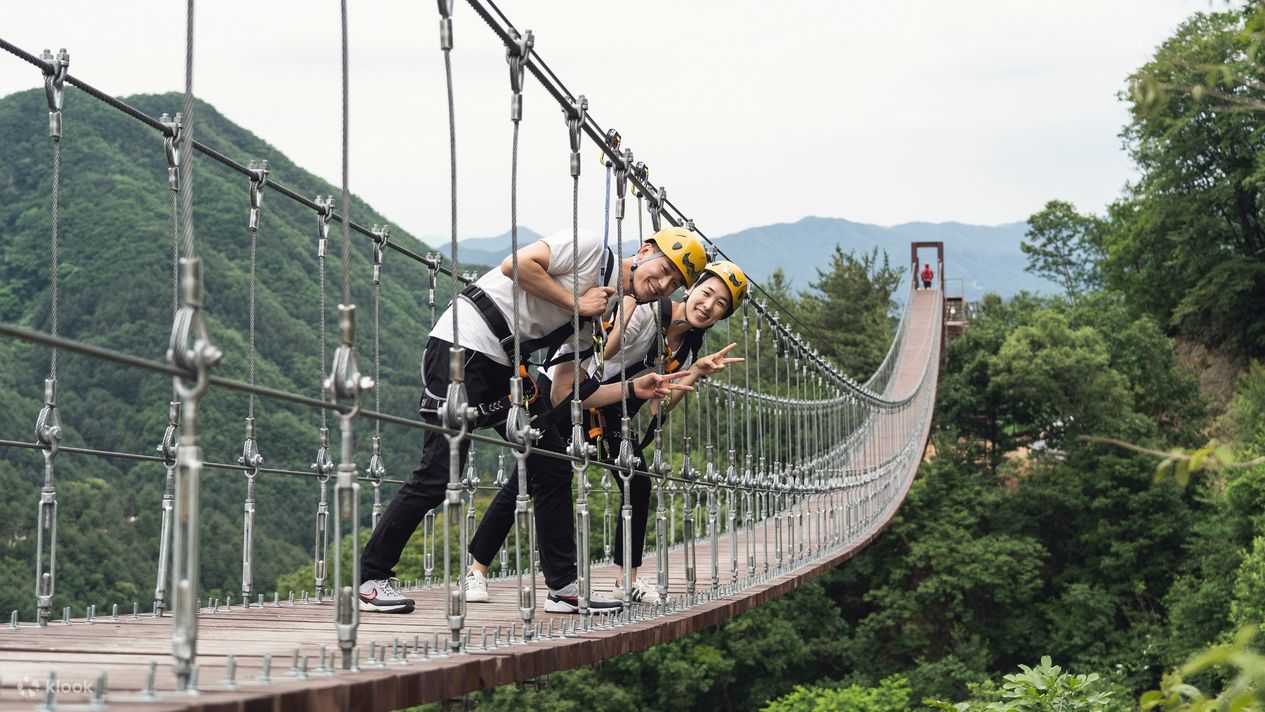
x: 499, y: 517
x: 549, y: 479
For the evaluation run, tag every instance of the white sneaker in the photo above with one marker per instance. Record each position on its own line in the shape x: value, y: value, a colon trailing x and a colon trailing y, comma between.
x: 379, y: 596
x: 642, y: 591
x: 567, y: 600
x: 476, y: 585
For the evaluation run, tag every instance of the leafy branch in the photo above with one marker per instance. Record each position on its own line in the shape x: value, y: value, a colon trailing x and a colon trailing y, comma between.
x: 1179, y: 462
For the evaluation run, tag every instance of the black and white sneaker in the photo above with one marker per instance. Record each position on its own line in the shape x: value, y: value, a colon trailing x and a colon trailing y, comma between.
x: 642, y: 591
x: 379, y: 596
x: 567, y: 600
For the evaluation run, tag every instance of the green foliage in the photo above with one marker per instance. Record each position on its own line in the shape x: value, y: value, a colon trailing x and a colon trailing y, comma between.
x: 1187, y: 241
x: 891, y: 695
x: 115, y: 291
x: 1043, y: 688
x: 850, y: 306
x: 1065, y: 247
x: 1244, y: 691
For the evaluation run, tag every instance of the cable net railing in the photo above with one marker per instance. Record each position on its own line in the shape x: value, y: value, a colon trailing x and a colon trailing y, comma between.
x: 784, y: 456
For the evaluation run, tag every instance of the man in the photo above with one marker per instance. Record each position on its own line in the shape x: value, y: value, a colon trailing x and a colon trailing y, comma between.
x: 485, y: 312
x: 927, y: 275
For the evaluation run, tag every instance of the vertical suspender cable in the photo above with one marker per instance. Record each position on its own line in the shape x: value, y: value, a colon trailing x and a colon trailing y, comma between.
x: 579, y: 446
x: 250, y: 458
x: 323, y: 465
x: 191, y: 350
x: 517, y: 428
x: 625, y: 460
x: 346, y: 383
x: 48, y: 429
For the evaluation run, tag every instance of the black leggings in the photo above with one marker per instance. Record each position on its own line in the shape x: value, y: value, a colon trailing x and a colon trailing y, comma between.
x: 549, y: 479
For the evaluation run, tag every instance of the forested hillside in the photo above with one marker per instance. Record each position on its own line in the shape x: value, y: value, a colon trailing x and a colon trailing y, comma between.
x: 115, y: 291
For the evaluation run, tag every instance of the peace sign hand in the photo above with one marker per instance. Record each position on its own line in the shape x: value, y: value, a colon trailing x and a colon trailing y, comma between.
x: 715, y: 363
x: 653, y: 386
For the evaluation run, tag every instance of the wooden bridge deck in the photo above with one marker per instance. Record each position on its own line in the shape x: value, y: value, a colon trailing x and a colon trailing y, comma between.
x: 80, y: 651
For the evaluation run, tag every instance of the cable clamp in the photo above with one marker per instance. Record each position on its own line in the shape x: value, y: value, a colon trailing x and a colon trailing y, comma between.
x: 433, y: 261
x: 258, y: 179
x: 622, y: 168
x: 576, y: 114
x: 381, y: 236
x: 172, y: 130
x: 55, y: 68
x: 656, y: 208
x: 517, y: 49
x: 324, y: 212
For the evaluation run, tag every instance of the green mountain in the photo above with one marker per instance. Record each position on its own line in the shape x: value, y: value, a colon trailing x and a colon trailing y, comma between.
x: 115, y: 292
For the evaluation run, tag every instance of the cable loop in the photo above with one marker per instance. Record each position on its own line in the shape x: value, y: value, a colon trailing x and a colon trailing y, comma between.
x: 190, y: 347
x: 576, y: 114
x: 345, y: 381
x: 250, y: 458
x: 324, y: 464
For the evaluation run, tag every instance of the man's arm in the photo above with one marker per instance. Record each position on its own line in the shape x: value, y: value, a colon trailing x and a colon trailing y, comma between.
x: 534, y: 278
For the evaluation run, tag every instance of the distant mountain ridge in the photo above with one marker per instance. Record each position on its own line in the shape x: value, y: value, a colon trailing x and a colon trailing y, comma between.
x: 986, y: 258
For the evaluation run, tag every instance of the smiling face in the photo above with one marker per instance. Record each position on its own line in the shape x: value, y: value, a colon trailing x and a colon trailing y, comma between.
x: 655, y: 277
x: 707, y: 302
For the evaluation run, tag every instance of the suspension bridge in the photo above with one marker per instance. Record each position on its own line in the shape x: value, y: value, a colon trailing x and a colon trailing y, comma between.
x: 802, y: 466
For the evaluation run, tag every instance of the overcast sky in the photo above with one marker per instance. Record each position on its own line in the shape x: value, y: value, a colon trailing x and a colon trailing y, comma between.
x: 749, y: 113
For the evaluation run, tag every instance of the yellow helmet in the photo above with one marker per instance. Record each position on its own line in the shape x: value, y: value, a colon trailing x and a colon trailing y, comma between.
x: 684, y: 249
x: 733, y: 277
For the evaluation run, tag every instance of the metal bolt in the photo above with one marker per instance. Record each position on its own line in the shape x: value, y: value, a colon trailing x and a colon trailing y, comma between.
x: 265, y: 673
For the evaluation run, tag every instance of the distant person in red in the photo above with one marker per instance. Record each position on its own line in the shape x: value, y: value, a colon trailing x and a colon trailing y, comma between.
x: 927, y: 276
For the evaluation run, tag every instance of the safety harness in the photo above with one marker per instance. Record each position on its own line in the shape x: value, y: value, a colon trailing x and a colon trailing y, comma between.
x: 552, y: 341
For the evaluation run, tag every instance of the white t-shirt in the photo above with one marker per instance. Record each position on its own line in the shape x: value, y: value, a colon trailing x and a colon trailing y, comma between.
x: 537, y: 317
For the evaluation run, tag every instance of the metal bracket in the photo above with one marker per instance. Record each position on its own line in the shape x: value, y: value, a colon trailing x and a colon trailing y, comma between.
x: 258, y: 179
x: 55, y: 88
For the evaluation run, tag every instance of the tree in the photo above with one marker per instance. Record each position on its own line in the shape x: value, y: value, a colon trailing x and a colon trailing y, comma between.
x: 1187, y: 240
x: 851, y: 307
x: 1065, y: 247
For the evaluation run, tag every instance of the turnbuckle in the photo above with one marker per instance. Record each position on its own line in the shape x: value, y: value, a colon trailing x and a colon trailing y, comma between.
x: 172, y: 129
x: 381, y: 236
x: 517, y: 48
x: 258, y: 179
x: 345, y: 381
x: 250, y: 459
x: 324, y: 211
x: 55, y: 70
x: 190, y: 347
x: 576, y: 114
